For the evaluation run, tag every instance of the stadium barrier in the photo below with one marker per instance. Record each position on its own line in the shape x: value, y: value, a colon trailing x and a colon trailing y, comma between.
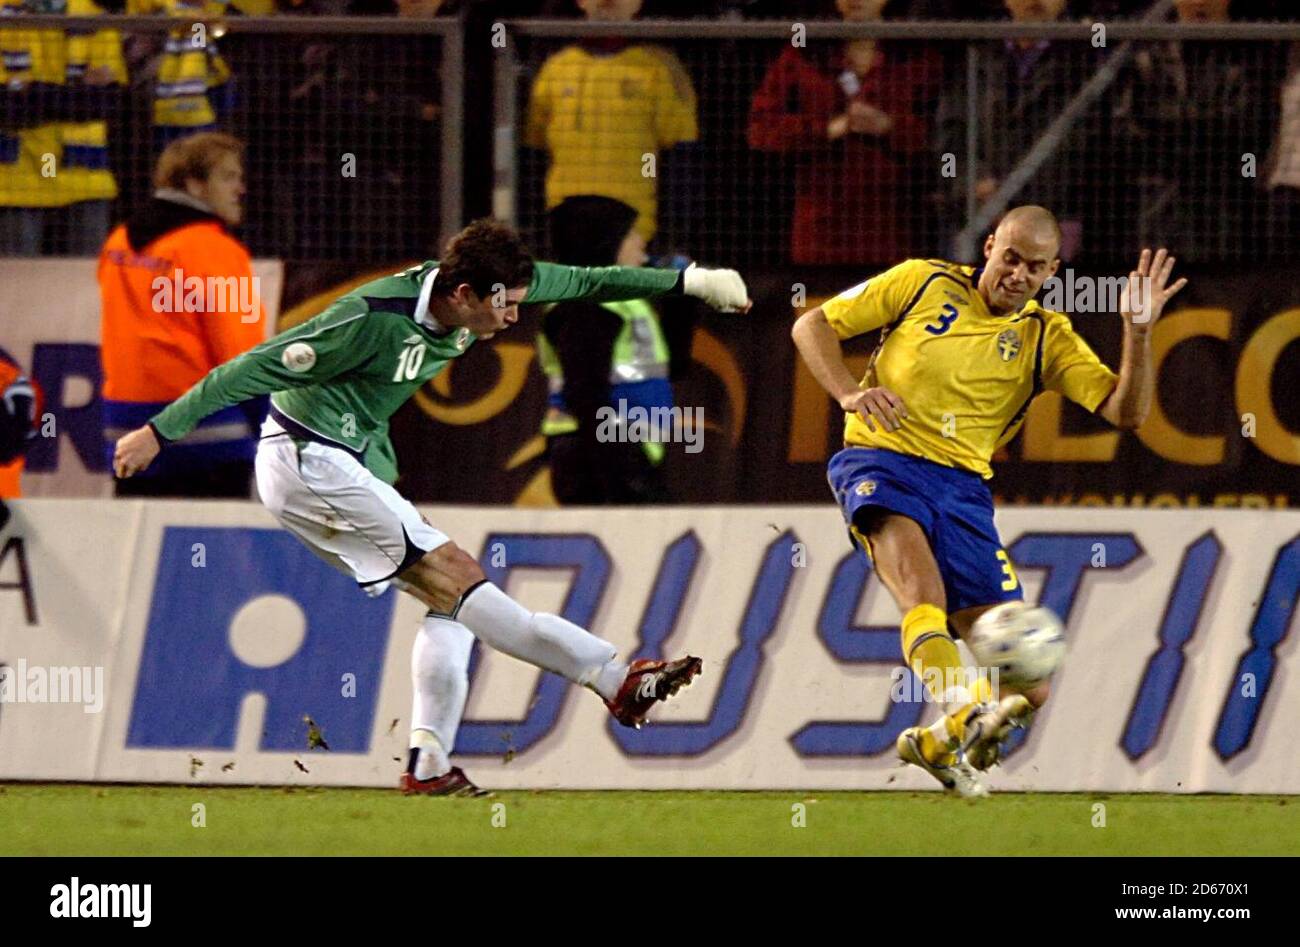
x: 192, y: 643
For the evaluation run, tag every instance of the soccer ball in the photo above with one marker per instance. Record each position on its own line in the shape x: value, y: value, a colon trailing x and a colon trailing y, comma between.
x: 1025, y: 643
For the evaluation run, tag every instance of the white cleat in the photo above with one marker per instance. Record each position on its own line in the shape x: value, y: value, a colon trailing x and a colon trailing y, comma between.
x: 990, y: 725
x: 955, y: 777
x: 968, y: 783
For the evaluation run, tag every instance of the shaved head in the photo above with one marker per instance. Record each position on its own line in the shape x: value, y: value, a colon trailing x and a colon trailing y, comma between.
x: 1034, y: 222
x: 1019, y: 257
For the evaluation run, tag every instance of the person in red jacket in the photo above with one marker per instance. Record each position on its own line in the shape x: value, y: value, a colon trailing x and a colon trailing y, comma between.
x: 855, y: 115
x: 179, y: 298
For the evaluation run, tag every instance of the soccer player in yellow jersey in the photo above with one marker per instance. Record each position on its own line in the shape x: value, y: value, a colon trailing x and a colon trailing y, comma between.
x: 962, y: 353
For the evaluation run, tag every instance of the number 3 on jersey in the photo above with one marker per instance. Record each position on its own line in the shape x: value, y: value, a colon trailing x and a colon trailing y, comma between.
x: 1010, y: 582
x: 946, y: 320
x: 409, y: 362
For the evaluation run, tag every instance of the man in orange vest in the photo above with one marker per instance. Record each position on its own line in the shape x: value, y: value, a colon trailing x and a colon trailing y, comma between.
x: 179, y: 298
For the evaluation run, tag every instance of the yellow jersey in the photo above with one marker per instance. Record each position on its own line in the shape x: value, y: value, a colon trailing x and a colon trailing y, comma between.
x: 966, y: 376
x: 190, y: 66
x: 600, y: 116
x: 56, y: 163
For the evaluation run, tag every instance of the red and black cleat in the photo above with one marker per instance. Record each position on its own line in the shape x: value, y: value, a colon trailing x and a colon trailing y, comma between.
x: 649, y: 682
x: 452, y: 783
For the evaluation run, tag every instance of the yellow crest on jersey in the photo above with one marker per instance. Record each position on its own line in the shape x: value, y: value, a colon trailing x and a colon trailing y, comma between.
x: 865, y: 488
x: 1009, y: 345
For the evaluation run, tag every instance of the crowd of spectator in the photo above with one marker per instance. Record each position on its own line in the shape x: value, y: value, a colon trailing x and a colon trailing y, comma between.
x: 870, y: 137
x: 815, y: 139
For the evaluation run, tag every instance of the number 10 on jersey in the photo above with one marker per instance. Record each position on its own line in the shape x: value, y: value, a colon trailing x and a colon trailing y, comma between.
x: 409, y: 362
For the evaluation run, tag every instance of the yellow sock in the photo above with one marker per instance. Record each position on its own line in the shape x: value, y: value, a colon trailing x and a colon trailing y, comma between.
x: 936, y: 745
x: 932, y: 655
x: 955, y: 722
x: 929, y: 651
x: 981, y: 692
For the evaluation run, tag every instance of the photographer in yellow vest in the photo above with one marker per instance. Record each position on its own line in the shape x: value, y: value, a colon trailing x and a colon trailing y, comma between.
x: 596, y: 356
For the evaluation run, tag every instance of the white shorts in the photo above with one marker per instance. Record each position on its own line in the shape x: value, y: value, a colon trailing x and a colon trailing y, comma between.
x: 343, y: 512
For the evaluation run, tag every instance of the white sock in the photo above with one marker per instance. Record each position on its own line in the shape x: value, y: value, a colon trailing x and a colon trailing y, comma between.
x: 546, y: 641
x: 609, y: 679
x: 440, y: 685
x: 431, y: 760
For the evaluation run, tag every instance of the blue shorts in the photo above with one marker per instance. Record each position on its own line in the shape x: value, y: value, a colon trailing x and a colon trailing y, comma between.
x: 953, y: 507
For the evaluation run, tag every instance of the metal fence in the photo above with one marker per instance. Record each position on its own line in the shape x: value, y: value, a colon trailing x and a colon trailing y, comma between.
x: 753, y: 142
x: 865, y: 143
x: 346, y: 122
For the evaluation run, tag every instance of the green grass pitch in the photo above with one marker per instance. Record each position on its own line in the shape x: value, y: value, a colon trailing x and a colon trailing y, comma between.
x: 70, y: 819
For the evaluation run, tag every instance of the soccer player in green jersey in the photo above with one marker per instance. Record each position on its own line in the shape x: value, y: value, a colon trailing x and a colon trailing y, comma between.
x: 325, y: 465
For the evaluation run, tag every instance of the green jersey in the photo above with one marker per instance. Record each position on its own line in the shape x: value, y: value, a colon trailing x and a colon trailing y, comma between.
x: 342, y: 374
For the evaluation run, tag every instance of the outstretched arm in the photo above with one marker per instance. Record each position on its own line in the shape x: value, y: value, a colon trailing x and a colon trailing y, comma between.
x: 1144, y: 299
x: 721, y: 289
x: 315, y: 351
